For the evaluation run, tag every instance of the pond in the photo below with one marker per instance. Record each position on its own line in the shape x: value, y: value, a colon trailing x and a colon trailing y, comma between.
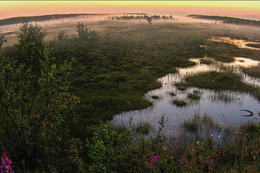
x: 225, y: 107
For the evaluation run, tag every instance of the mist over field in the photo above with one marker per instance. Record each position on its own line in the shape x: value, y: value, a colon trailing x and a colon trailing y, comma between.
x: 130, y: 87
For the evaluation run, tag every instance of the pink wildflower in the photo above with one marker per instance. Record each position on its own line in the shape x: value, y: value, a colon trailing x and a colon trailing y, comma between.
x: 154, y: 160
x: 6, y: 163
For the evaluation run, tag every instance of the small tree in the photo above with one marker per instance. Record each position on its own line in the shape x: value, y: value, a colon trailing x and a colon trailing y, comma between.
x: 149, y: 20
x: 60, y: 35
x: 2, y: 40
x: 31, y: 44
x: 85, y: 35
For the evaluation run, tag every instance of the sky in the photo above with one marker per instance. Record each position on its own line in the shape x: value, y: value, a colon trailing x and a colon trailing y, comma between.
x: 247, y: 9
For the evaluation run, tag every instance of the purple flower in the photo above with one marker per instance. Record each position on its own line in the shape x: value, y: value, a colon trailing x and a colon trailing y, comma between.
x: 6, y: 163
x: 154, y: 160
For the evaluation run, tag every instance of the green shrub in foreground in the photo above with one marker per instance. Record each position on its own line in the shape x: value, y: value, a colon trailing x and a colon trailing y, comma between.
x: 114, y: 151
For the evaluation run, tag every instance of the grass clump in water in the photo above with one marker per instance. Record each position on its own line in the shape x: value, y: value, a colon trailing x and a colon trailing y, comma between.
x: 193, y: 96
x: 179, y: 103
x: 191, y: 125
x: 196, y: 92
x: 172, y: 93
x: 181, y: 86
x: 155, y: 97
x: 143, y: 127
x: 219, y: 81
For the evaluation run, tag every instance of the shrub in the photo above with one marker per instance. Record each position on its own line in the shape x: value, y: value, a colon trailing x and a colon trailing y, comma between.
x: 60, y: 35
x: 85, y: 35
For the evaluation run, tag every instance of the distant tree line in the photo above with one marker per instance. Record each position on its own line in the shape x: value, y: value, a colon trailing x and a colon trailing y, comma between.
x: 224, y: 19
x: 130, y: 17
x: 16, y: 20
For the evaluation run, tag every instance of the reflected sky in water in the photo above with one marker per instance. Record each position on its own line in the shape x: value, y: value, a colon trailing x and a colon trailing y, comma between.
x: 223, y: 106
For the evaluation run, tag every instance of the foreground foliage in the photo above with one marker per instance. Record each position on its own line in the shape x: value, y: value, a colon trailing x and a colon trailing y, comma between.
x: 111, y: 150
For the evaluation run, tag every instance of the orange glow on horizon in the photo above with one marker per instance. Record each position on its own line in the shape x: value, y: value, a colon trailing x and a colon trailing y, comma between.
x: 31, y: 8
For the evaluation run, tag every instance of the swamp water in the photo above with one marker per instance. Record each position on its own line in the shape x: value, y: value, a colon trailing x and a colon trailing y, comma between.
x: 223, y: 107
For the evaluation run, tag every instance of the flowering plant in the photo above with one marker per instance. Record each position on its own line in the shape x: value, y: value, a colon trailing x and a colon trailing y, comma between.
x: 6, y: 163
x: 154, y: 161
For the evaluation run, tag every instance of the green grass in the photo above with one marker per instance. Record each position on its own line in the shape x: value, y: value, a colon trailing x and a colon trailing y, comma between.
x: 181, y: 86
x: 114, y: 75
x: 193, y: 96
x: 252, y: 71
x: 220, y: 81
x: 225, y: 52
x: 143, y: 127
x: 179, y: 103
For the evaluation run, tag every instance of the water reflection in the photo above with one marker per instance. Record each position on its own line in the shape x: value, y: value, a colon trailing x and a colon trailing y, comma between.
x: 224, y: 107
x: 237, y: 42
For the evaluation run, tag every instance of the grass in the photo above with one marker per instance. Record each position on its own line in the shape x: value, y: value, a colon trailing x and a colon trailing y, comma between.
x: 155, y: 97
x: 225, y: 52
x: 220, y: 96
x: 252, y: 71
x: 191, y: 125
x: 253, y: 45
x: 221, y: 80
x: 196, y: 92
x: 218, y: 81
x: 179, y: 103
x: 143, y: 127
x: 193, y: 96
x: 181, y: 86
x: 205, y: 61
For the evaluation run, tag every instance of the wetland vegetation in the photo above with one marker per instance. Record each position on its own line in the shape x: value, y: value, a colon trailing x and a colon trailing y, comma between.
x: 55, y: 93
